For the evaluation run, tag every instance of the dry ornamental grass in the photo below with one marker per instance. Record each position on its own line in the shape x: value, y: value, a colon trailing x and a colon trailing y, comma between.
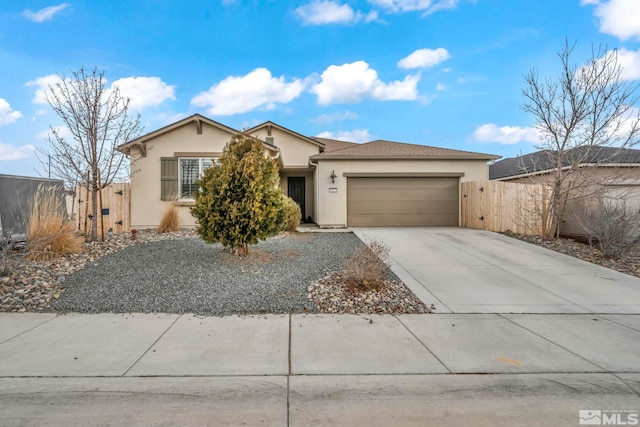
x: 170, y: 220
x: 49, y: 233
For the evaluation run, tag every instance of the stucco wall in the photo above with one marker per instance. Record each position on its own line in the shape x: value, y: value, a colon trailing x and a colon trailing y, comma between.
x: 146, y: 206
x: 332, y: 207
x: 294, y: 151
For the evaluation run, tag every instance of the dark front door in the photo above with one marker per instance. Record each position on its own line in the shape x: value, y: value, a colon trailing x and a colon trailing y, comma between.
x: 296, y: 191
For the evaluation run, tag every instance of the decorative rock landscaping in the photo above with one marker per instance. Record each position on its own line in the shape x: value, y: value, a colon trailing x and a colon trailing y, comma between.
x: 151, y: 274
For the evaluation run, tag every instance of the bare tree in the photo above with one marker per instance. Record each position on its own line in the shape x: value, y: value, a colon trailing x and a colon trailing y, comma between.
x: 581, y: 114
x: 98, y: 121
x: 612, y: 223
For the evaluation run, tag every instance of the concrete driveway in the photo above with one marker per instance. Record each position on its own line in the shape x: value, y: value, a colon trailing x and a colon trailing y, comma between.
x: 462, y: 270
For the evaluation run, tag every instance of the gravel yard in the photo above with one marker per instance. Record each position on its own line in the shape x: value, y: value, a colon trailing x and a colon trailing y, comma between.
x: 179, y: 273
x: 191, y: 276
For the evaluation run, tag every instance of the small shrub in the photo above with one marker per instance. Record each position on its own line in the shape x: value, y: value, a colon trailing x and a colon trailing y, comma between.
x: 170, y: 220
x: 292, y: 214
x: 49, y: 233
x: 612, y: 224
x: 366, y: 269
x: 239, y: 202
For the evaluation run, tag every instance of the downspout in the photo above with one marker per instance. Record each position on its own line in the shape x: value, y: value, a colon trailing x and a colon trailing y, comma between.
x: 317, y: 192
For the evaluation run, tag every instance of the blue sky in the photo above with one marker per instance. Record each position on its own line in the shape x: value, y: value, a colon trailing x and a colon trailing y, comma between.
x: 445, y: 73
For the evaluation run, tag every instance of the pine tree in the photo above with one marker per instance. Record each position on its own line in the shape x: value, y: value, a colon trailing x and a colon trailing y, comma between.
x: 239, y: 201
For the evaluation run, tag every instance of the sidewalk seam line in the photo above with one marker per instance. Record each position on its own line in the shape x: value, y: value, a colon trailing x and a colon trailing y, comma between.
x: 289, y: 373
x: 423, y: 344
x: 601, y: 315
x: 151, y: 346
x: 556, y: 344
x: 30, y: 329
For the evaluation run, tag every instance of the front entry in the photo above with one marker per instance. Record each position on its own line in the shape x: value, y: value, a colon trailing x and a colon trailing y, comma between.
x: 295, y: 185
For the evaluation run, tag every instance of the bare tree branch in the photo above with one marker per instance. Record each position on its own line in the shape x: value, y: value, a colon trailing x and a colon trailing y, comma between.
x: 583, y: 110
x: 98, y: 120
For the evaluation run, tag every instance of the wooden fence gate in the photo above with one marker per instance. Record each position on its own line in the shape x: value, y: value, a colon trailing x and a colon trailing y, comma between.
x: 114, y: 209
x: 502, y: 206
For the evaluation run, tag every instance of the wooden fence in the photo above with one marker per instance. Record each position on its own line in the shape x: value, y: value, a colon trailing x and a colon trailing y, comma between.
x: 114, y: 208
x: 502, y: 206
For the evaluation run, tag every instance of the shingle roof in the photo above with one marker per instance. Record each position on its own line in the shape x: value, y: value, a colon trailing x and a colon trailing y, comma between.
x: 399, y: 150
x: 331, y: 145
x: 545, y: 160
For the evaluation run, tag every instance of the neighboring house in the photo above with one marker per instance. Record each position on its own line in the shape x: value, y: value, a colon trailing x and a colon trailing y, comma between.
x: 613, y: 170
x: 336, y: 183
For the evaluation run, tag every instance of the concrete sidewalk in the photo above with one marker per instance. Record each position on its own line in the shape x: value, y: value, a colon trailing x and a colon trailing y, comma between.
x: 439, y: 369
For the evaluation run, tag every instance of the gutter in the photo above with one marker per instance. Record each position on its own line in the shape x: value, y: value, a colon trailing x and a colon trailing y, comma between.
x: 317, y: 195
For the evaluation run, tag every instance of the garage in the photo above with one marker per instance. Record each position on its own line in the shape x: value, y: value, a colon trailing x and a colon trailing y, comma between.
x: 402, y: 201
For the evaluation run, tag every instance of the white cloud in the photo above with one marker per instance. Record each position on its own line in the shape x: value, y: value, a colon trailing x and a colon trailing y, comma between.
x: 63, y: 132
x: 356, y: 135
x: 625, y: 125
x: 353, y: 82
x: 7, y: 114
x: 618, y: 17
x: 337, y: 116
x: 629, y: 60
x: 425, y: 6
x: 45, y: 14
x: 441, y: 87
x: 13, y: 152
x: 240, y: 94
x: 320, y: 12
x: 424, y: 58
x: 42, y: 87
x: 145, y: 91
x: 506, y: 134
x: 323, y: 12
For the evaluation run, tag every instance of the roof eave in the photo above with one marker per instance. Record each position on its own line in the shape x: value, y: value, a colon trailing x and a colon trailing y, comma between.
x: 391, y: 157
x: 581, y: 165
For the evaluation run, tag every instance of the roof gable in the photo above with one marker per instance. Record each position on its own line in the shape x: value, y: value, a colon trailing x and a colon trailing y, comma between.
x: 382, y: 149
x: 197, y: 119
x: 270, y: 124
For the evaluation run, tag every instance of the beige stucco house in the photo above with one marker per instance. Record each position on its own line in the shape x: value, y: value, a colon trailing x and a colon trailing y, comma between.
x: 336, y: 183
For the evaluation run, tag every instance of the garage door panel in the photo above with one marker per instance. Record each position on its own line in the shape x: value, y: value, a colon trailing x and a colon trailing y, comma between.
x: 423, y: 208
x: 405, y: 201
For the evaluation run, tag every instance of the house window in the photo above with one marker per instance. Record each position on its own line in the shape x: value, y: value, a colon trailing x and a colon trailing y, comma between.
x: 190, y: 171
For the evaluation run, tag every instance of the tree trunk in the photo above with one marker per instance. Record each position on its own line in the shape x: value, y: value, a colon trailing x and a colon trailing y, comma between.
x: 94, y: 217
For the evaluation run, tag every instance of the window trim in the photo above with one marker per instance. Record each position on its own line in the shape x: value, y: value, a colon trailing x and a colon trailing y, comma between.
x: 214, y: 162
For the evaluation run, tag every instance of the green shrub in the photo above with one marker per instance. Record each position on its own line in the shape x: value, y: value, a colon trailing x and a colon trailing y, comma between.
x: 239, y: 201
x: 292, y: 214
